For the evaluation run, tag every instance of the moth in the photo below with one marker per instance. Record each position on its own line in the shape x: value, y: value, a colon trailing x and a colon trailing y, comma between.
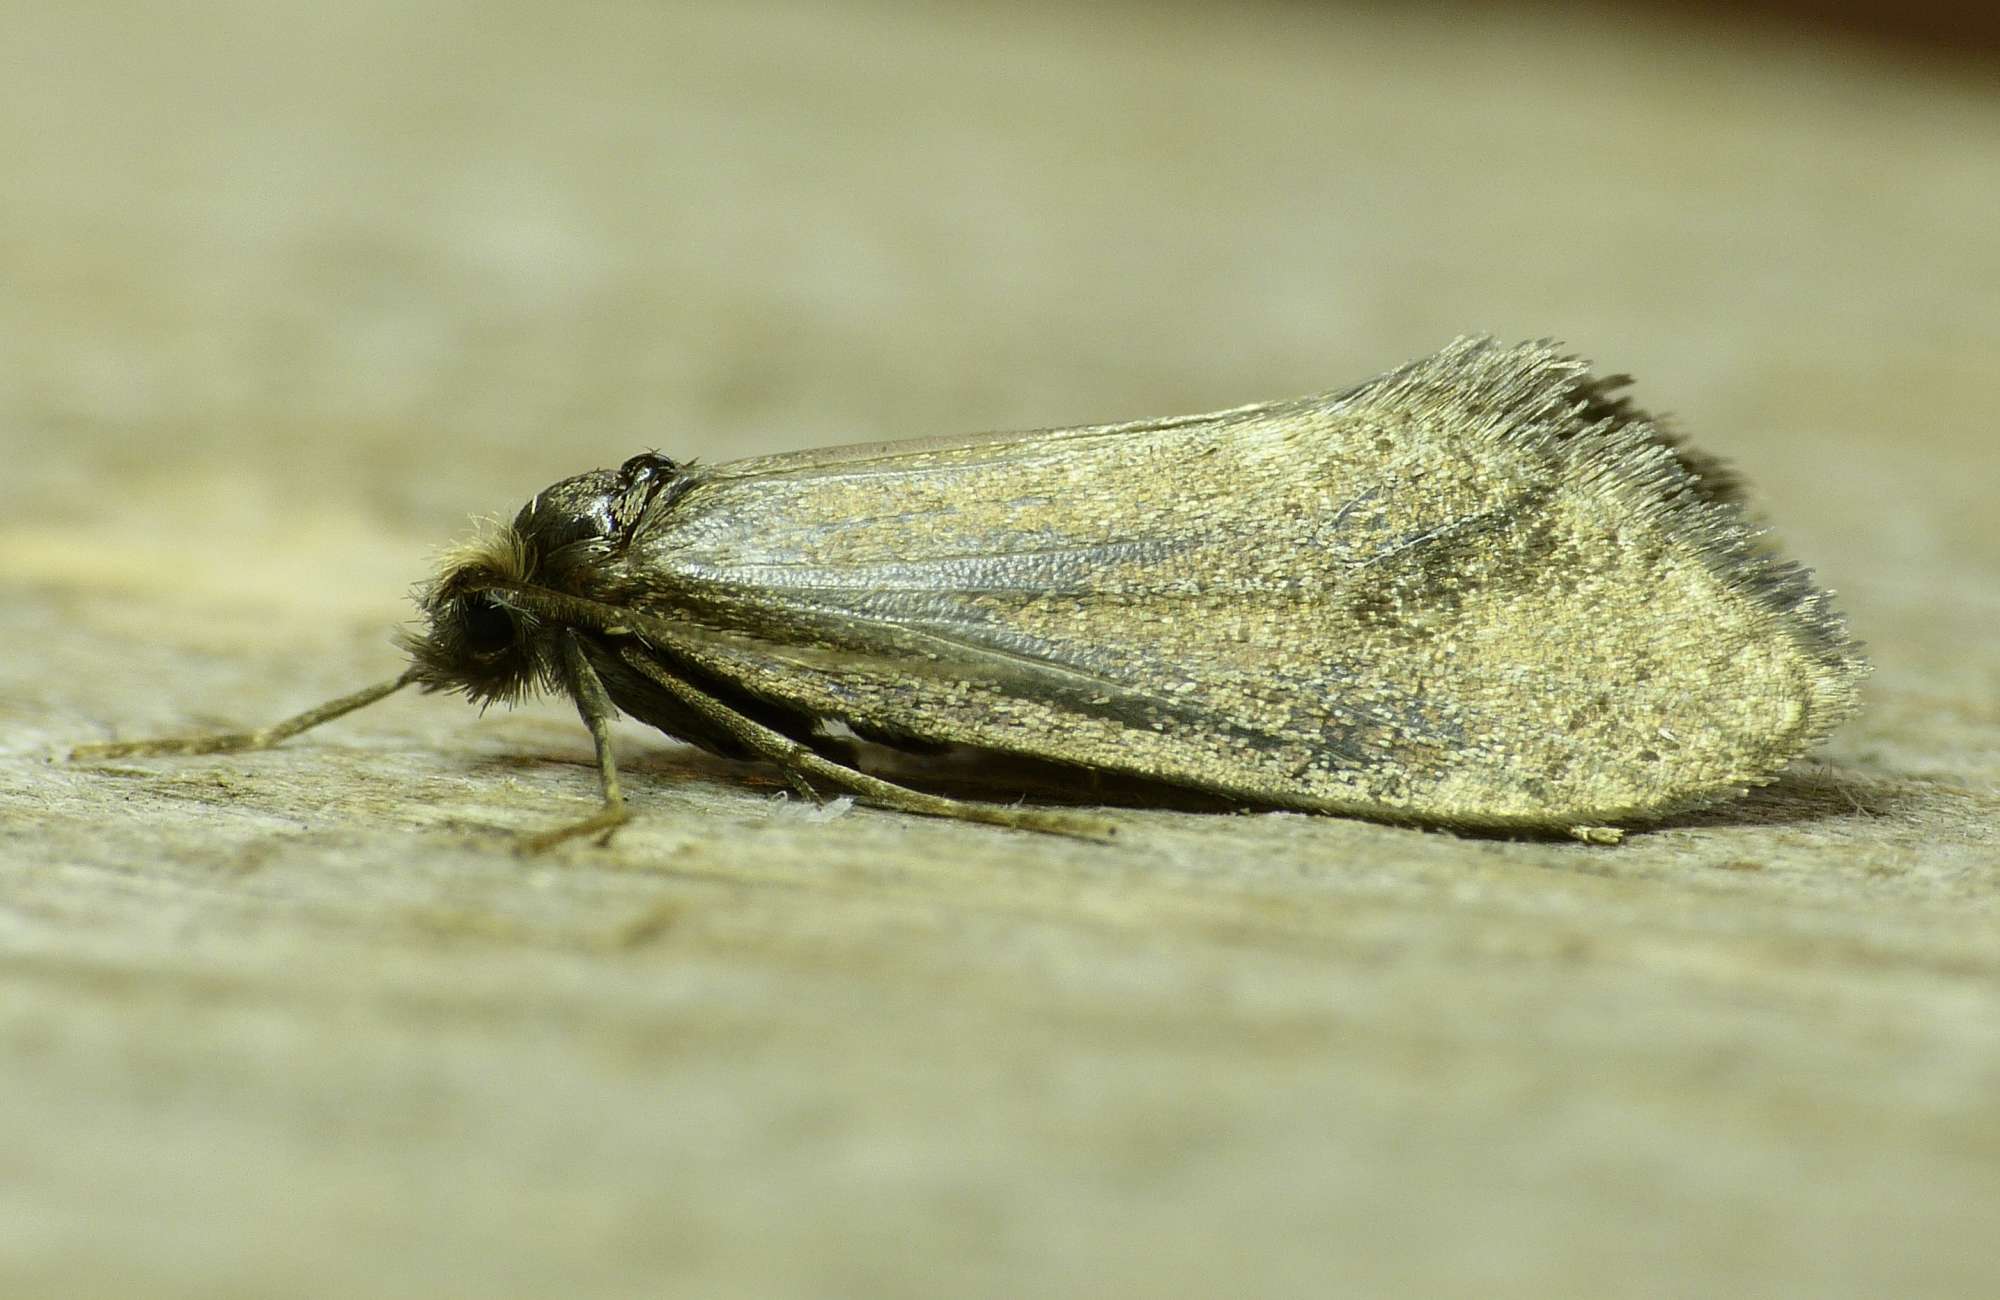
x: 1479, y: 591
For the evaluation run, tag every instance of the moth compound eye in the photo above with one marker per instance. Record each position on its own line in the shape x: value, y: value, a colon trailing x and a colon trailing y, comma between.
x: 646, y: 465
x: 489, y: 629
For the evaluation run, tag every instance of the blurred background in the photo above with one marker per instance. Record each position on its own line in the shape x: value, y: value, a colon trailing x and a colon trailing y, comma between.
x: 369, y: 267
x: 288, y: 290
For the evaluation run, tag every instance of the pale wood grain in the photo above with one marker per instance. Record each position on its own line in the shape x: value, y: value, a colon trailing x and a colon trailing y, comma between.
x: 291, y: 293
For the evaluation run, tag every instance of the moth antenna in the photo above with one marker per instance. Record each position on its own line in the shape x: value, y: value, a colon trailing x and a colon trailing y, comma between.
x: 231, y: 742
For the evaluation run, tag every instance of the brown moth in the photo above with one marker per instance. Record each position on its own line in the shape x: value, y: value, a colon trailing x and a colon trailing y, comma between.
x: 1480, y: 591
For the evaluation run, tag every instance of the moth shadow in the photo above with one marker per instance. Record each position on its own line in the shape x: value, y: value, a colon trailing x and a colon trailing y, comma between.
x: 1801, y: 795
x: 955, y: 772
x: 664, y: 763
x: 964, y: 772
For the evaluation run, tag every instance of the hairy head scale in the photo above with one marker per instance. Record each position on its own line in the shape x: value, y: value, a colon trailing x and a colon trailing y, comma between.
x: 472, y: 642
x: 481, y: 639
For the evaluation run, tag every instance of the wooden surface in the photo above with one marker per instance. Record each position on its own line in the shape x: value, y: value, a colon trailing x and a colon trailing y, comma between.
x: 291, y: 290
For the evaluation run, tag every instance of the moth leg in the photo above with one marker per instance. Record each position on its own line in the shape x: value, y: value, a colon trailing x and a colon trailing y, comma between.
x: 234, y: 741
x: 593, y: 704
x: 801, y: 760
x: 803, y: 788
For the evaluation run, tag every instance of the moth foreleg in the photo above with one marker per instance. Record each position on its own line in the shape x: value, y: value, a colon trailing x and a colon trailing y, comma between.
x: 798, y: 760
x: 593, y: 705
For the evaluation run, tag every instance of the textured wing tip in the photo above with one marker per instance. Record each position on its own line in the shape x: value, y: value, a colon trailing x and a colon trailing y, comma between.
x: 1536, y: 394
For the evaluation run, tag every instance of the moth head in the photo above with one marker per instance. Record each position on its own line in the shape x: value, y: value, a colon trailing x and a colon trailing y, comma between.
x: 474, y: 639
x: 482, y: 635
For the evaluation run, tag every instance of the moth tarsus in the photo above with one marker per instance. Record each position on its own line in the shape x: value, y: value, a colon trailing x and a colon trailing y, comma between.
x: 1480, y: 591
x: 600, y: 826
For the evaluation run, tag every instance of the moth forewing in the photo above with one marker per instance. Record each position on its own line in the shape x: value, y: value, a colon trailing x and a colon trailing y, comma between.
x: 1481, y: 590
x: 1449, y: 595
